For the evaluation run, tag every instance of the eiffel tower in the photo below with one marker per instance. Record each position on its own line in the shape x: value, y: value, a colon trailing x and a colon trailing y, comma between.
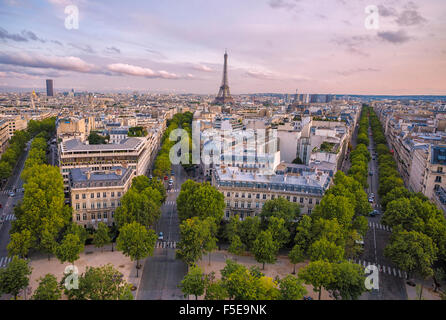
x: 224, y: 96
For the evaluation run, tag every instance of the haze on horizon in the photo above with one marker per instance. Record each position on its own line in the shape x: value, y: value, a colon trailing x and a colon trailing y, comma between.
x: 314, y: 46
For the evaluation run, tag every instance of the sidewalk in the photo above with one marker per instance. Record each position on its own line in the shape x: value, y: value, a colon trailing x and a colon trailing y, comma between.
x: 92, y: 257
x: 428, y: 291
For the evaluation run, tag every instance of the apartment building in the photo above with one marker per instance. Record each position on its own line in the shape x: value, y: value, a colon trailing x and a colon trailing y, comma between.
x: 4, y: 135
x: 245, y: 192
x: 95, y: 195
x: 132, y: 153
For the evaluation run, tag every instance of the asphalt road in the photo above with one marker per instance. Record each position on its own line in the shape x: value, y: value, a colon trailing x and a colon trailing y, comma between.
x: 8, y: 204
x: 162, y: 272
x: 391, y: 287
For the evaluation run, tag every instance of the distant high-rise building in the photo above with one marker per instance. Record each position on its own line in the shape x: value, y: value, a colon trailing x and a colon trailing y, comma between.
x: 49, y: 88
x: 224, y: 95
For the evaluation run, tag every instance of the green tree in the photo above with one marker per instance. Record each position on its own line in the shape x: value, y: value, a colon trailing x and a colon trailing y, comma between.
x: 323, y: 249
x: 319, y: 274
x: 14, y: 277
x: 304, y: 233
x: 194, y: 282
x: 349, y: 281
x: 20, y: 243
x: 194, y: 235
x: 101, y: 236
x: 70, y: 248
x: 101, y: 283
x: 291, y: 288
x: 265, y: 249
x: 280, y: 208
x: 216, y: 291
x: 412, y: 251
x: 48, y: 288
x: 296, y: 255
x: 236, y: 247
x: 278, y: 230
x: 136, y: 242
x: 249, y: 230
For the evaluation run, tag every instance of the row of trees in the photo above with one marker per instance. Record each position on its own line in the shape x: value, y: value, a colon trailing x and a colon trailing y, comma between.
x: 139, y: 211
x: 11, y: 155
x: 162, y: 162
x: 418, y: 242
x: 240, y: 283
x: 95, y: 138
x: 331, y: 234
x: 96, y: 283
x: 360, y: 157
x: 342, y: 281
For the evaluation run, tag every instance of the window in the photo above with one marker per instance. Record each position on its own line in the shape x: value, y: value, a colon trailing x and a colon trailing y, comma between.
x: 264, y: 196
x: 243, y: 195
x: 84, y: 205
x: 113, y: 204
x: 92, y: 205
x: 317, y: 201
x: 104, y: 205
x: 257, y: 205
x: 119, y: 193
x: 236, y: 194
x: 436, y: 187
x: 438, y: 179
x: 84, y: 216
x: 92, y: 196
x: 77, y: 206
x: 440, y: 169
x: 294, y: 199
x: 93, y: 216
x: 236, y: 204
x: 310, y: 201
x: 77, y: 197
x: 98, y: 195
x: 99, y: 216
x: 242, y: 204
x: 249, y: 196
x: 84, y: 196
x: 301, y: 200
x: 249, y: 205
x: 78, y: 217
x: 258, y: 195
x: 112, y: 194
x: 105, y: 215
x: 273, y: 197
x: 98, y: 205
x: 104, y: 195
x: 309, y: 211
x: 227, y: 214
x: 228, y: 194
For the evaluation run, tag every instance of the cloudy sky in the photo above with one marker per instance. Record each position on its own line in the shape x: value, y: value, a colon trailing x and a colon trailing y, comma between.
x: 314, y: 46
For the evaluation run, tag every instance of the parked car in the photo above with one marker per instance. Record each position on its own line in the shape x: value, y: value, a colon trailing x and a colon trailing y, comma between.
x: 11, y: 194
x: 161, y: 236
x: 370, y: 173
x: 370, y: 200
x: 374, y: 213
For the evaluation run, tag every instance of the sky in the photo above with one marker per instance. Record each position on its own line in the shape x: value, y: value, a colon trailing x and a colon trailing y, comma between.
x: 177, y: 46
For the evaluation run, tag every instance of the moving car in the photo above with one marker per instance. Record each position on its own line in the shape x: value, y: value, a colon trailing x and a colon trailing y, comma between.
x: 370, y: 173
x: 374, y: 213
x: 11, y: 194
x: 370, y: 200
x: 161, y: 236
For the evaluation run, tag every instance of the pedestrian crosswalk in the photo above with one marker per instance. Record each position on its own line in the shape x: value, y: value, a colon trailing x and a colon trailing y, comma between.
x: 166, y: 244
x: 11, y: 190
x: 170, y: 203
x: 4, y: 261
x: 379, y: 226
x: 9, y: 217
x: 173, y: 190
x: 384, y: 269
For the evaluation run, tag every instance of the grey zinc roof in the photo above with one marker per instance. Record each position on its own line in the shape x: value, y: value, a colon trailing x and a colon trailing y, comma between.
x: 126, y: 144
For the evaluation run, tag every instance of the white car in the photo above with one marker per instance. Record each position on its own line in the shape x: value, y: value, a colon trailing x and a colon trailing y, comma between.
x: 161, y: 236
x: 11, y: 194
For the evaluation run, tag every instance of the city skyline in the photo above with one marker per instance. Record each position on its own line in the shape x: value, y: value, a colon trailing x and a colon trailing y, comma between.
x: 274, y: 46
